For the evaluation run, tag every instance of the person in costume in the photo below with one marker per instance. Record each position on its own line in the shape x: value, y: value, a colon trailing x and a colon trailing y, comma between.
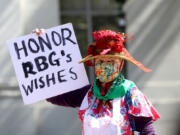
x: 112, y: 105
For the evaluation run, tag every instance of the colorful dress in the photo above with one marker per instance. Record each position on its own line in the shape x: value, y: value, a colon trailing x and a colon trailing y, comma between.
x: 136, y: 105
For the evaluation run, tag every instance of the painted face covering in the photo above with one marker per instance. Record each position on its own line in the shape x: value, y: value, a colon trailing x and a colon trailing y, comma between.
x: 107, y: 70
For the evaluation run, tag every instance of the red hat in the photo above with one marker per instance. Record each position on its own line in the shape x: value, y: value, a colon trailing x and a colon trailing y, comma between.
x: 110, y: 44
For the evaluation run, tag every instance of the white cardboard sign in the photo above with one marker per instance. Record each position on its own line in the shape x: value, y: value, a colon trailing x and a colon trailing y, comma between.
x: 47, y: 65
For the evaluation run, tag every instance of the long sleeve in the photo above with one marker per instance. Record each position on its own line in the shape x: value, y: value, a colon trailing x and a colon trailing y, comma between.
x: 70, y: 99
x: 142, y: 111
x: 144, y: 125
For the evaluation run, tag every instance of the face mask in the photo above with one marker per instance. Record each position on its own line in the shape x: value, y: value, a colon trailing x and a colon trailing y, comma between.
x: 106, y: 71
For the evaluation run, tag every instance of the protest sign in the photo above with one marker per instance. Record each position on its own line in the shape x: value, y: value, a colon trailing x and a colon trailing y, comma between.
x: 47, y: 65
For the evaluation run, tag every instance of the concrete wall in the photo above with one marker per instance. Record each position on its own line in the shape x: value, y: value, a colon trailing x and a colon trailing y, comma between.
x: 10, y: 27
x: 155, y: 24
x: 39, y: 14
x: 19, y: 17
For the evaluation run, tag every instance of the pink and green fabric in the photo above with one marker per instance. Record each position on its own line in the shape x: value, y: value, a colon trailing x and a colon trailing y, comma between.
x: 138, y: 105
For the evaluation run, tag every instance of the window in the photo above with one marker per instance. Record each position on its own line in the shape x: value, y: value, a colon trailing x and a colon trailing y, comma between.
x: 89, y: 15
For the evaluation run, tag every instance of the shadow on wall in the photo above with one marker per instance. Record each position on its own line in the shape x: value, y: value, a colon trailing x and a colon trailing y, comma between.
x: 178, y: 128
x: 155, y: 38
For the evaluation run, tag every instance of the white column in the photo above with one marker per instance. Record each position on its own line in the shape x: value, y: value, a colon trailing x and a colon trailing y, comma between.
x: 20, y: 17
x: 39, y: 14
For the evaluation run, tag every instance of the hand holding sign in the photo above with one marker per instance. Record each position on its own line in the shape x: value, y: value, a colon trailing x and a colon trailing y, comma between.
x: 38, y: 31
x: 47, y: 65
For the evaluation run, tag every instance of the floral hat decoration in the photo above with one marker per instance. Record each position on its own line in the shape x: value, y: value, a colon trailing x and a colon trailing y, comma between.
x: 110, y: 44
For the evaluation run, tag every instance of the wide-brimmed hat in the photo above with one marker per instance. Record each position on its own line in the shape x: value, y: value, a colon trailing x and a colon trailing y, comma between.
x: 110, y: 44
